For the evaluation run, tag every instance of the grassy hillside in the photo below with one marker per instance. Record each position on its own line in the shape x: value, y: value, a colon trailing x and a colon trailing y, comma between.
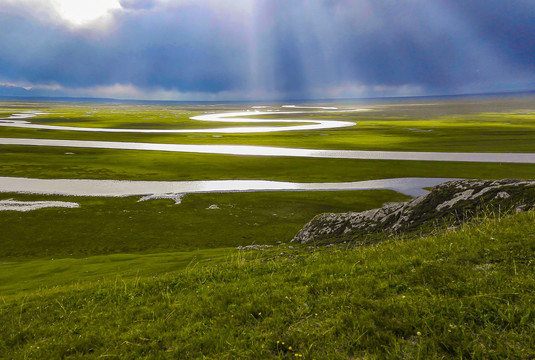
x: 465, y: 293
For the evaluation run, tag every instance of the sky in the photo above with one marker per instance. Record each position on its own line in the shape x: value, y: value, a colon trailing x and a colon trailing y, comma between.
x: 265, y: 49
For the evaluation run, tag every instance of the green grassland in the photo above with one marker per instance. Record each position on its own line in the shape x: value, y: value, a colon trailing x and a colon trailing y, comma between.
x: 129, y: 228
x: 129, y: 117
x: 456, y: 127
x: 124, y: 225
x: 124, y: 279
x: 384, y: 128
x: 62, y: 162
x: 33, y: 276
x: 467, y: 293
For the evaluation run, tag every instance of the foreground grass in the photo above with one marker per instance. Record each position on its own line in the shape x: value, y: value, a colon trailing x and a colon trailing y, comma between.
x: 33, y: 276
x: 467, y: 293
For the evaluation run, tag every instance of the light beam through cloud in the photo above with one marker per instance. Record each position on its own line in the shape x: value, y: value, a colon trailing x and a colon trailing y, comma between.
x: 265, y: 49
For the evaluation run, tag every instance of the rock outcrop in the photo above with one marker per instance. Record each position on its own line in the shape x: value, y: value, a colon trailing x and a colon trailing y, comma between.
x: 448, y: 204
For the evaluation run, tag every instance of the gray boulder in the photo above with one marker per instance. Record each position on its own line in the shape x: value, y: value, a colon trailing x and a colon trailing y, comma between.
x: 448, y: 204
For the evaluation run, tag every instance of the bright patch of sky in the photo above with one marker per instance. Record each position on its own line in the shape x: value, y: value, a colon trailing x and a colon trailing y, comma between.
x: 80, y: 12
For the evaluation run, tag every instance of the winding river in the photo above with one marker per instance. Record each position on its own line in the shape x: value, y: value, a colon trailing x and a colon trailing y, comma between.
x: 408, y: 186
x: 527, y: 158
x: 159, y: 189
x: 16, y: 120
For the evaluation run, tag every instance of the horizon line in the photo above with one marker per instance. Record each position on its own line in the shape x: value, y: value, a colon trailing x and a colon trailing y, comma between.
x: 297, y: 100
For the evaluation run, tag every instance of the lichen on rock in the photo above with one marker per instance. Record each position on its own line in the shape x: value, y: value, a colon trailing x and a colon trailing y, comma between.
x: 452, y: 202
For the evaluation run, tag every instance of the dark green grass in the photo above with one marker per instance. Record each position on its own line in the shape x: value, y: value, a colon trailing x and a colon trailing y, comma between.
x: 123, y: 225
x: 463, y: 294
x: 50, y: 162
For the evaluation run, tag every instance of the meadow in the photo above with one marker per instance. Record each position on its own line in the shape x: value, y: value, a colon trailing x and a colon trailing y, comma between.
x: 478, y: 126
x: 112, y: 277
x: 460, y: 294
x: 124, y: 225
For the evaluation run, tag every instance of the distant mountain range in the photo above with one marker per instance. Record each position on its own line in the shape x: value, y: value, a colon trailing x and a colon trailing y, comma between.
x: 15, y: 93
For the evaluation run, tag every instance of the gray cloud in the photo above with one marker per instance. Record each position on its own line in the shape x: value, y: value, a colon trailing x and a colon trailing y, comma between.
x: 137, y: 4
x: 281, y: 48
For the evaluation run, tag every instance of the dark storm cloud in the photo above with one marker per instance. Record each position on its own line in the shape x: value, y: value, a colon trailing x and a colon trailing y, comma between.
x: 508, y: 25
x: 281, y: 47
x: 389, y: 43
x: 191, y: 49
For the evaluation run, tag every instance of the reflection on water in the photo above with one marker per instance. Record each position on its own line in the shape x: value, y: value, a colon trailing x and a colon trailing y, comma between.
x: 70, y: 187
x: 280, y: 151
x: 235, y: 117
